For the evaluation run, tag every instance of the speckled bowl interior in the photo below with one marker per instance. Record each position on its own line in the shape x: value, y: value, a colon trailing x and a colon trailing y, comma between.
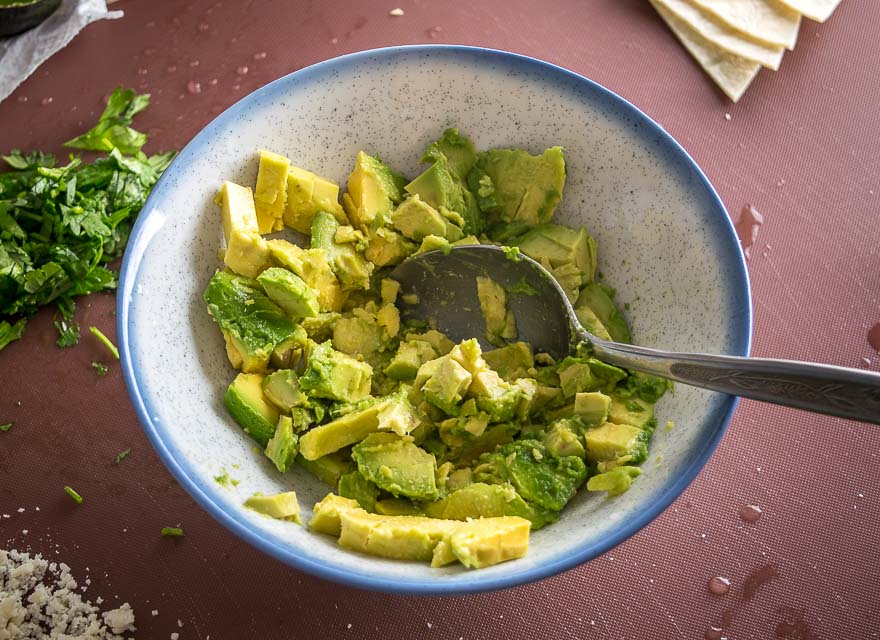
x: 665, y: 242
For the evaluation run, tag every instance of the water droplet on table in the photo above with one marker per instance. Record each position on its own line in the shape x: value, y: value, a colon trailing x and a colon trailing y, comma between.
x: 194, y: 87
x: 213, y: 82
x: 143, y: 71
x: 204, y: 26
x: 194, y: 63
x: 750, y: 513
x: 719, y: 586
x: 149, y: 51
x: 46, y: 101
x: 874, y: 337
x: 758, y: 578
x: 22, y: 99
x: 433, y: 32
x: 747, y: 227
x: 171, y: 68
x: 242, y: 70
x: 714, y: 633
x: 261, y: 55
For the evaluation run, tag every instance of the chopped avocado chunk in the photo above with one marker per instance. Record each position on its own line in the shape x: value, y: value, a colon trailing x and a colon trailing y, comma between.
x: 282, y: 389
x: 289, y: 291
x: 282, y: 506
x: 597, y: 298
x: 576, y: 376
x: 354, y: 485
x: 270, y: 195
x: 334, y: 375
x: 488, y: 541
x: 416, y: 220
x: 386, y: 247
x: 348, y: 429
x: 457, y: 150
x: 397, y: 465
x: 246, y: 252
x: 611, y: 441
x: 389, y: 290
x: 326, y: 513
x: 311, y: 265
x: 496, y: 397
x: 442, y: 189
x: 500, y: 322
x: 328, y: 468
x: 561, y: 246
x: 252, y: 324
x: 561, y: 440
x: 633, y: 411
x: 358, y: 335
x: 524, y: 187
x: 446, y: 387
x: 373, y: 190
x: 409, y: 357
x: 481, y: 500
x: 442, y: 345
x: 307, y: 194
x: 288, y: 352
x: 346, y: 260
x: 396, y: 537
x: 591, y: 322
x: 592, y: 406
x: 615, y: 481
x: 540, y: 478
x: 246, y: 403
x: 282, y: 448
x: 512, y: 361
x: 320, y: 328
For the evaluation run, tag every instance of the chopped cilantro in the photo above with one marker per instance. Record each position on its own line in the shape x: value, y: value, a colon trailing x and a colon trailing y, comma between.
x: 61, y: 226
x: 122, y: 455
x: 73, y: 494
x: 100, y: 368
x: 173, y: 532
x: 105, y: 341
x: 6, y: 427
x: 524, y: 288
x: 512, y: 253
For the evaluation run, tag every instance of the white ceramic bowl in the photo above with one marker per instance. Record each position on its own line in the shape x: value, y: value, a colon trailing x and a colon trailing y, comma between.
x: 665, y: 241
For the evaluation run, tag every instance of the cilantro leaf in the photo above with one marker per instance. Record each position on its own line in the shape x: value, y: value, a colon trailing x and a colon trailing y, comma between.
x: 112, y: 131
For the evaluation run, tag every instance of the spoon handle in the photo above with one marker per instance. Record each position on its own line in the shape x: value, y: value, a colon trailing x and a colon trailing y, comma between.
x: 828, y: 389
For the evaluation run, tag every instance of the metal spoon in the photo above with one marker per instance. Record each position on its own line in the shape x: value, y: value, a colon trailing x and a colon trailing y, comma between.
x: 445, y: 286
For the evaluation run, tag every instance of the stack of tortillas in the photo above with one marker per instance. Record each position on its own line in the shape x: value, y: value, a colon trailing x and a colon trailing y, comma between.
x: 733, y: 39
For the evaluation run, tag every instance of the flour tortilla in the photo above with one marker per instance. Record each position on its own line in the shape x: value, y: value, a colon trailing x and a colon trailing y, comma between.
x: 769, y: 21
x: 732, y: 73
x: 723, y: 36
x: 818, y: 10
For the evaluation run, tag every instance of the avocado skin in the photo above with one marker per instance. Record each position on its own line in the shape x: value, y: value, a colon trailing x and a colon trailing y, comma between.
x: 17, y: 18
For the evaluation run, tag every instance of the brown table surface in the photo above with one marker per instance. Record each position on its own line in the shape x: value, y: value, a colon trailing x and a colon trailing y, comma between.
x: 801, y: 146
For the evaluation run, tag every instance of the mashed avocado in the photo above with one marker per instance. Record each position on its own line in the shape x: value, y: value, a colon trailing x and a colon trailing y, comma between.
x: 437, y: 452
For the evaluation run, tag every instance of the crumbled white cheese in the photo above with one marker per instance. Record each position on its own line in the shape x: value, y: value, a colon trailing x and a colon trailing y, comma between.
x: 38, y: 598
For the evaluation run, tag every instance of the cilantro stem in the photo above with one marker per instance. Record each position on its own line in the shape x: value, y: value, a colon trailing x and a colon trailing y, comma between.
x: 105, y: 341
x: 173, y: 532
x: 122, y: 455
x: 6, y: 427
x: 73, y: 494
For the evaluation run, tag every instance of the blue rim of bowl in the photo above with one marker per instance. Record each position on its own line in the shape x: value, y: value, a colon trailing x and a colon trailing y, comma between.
x: 471, y: 582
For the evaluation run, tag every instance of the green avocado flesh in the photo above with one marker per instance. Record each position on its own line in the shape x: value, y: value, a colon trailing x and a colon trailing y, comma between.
x: 431, y: 450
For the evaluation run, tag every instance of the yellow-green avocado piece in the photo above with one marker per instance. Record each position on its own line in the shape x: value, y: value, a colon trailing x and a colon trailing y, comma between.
x: 307, y: 194
x: 290, y: 292
x: 281, y: 506
x: 326, y: 513
x: 248, y: 406
x: 246, y: 251
x: 526, y: 187
x: 394, y: 463
x: 312, y: 266
x: 270, y: 196
x: 334, y: 375
x: 500, y: 321
x: 373, y: 190
x: 611, y: 441
x: 487, y: 541
x: 392, y: 413
x: 346, y: 260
